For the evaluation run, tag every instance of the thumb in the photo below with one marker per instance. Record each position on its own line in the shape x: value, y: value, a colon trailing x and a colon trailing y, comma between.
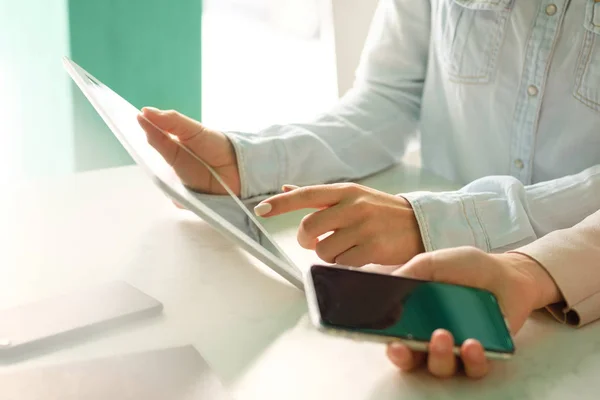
x: 420, y: 267
x: 473, y: 268
x: 171, y: 121
x: 459, y: 266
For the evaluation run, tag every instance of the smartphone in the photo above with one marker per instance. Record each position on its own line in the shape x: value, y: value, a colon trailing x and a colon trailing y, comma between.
x: 383, y: 308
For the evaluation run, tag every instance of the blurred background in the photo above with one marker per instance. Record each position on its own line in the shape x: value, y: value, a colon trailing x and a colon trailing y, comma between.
x: 266, y: 62
x: 234, y: 64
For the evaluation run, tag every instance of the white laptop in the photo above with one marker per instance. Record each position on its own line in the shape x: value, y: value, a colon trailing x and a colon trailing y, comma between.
x: 229, y: 216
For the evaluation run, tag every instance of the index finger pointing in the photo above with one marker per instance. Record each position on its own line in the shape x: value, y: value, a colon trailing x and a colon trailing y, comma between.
x: 318, y: 196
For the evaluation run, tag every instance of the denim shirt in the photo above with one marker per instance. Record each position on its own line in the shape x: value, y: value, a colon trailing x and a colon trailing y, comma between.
x: 505, y: 95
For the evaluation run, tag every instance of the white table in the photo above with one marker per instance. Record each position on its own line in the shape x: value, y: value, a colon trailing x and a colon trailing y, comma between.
x: 250, y: 326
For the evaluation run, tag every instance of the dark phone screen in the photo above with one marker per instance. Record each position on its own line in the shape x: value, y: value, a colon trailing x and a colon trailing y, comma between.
x: 409, y: 309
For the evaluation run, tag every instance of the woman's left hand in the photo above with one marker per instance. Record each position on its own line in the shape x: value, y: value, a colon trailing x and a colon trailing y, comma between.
x: 368, y: 226
x: 520, y: 284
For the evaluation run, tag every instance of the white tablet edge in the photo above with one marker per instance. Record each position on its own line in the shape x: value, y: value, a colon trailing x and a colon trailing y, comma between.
x: 288, y: 271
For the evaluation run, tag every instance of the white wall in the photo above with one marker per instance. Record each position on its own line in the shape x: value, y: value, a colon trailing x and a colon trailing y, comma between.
x: 351, y: 21
x: 258, y: 73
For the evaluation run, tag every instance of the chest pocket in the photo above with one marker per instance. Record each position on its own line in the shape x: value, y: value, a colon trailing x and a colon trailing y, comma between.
x: 587, y: 75
x: 469, y: 37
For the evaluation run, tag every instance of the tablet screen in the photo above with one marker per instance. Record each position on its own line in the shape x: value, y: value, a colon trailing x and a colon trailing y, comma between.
x: 227, y: 213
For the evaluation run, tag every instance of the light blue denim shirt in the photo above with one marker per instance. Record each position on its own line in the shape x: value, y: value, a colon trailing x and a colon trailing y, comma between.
x: 506, y: 97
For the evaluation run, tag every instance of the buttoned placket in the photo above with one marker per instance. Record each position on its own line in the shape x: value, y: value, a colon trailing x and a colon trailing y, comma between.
x: 538, y: 58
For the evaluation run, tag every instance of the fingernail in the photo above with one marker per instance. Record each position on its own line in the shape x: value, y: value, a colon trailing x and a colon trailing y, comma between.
x: 476, y: 355
x: 398, y: 352
x: 178, y: 205
x: 289, y: 188
x: 440, y: 346
x: 398, y: 348
x: 152, y: 110
x: 262, y: 209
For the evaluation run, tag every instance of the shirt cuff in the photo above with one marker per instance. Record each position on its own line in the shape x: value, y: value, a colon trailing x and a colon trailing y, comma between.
x: 260, y: 161
x: 448, y: 219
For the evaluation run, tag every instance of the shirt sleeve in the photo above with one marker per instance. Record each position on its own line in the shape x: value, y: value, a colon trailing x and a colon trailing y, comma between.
x: 572, y: 258
x: 370, y: 127
x: 499, y: 213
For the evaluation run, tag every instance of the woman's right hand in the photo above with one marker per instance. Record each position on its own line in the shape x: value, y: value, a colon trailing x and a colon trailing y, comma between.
x: 213, y: 147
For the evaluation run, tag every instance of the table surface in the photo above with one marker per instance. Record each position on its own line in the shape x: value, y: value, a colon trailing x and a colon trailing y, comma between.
x: 251, y: 326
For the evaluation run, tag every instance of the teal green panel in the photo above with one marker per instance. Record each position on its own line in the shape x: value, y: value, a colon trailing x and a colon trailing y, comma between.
x: 148, y: 51
x: 35, y: 100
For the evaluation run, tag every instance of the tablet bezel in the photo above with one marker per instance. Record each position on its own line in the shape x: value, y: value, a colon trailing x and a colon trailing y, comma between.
x: 181, y: 194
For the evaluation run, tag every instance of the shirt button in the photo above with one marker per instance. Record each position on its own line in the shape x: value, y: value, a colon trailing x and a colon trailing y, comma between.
x: 532, y: 90
x: 551, y: 9
x: 519, y: 163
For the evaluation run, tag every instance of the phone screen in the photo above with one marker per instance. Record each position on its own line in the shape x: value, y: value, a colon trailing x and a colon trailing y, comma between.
x: 405, y: 308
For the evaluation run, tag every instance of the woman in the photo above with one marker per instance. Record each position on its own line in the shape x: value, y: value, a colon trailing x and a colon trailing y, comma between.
x: 506, y: 97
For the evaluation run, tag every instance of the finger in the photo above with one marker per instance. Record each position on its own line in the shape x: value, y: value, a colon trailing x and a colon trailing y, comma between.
x: 187, y: 168
x: 319, y: 196
x: 321, y: 222
x: 173, y: 122
x: 422, y: 266
x: 289, y: 188
x: 461, y: 265
x: 335, y: 244
x: 404, y: 358
x: 380, y: 269
x: 441, y: 361
x: 472, y: 354
x: 178, y: 205
x: 157, y: 139
x: 356, y: 256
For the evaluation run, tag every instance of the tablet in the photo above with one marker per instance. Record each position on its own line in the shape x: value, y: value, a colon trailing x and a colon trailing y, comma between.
x: 227, y: 214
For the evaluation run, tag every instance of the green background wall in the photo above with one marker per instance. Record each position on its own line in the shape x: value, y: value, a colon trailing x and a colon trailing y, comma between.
x: 148, y: 51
